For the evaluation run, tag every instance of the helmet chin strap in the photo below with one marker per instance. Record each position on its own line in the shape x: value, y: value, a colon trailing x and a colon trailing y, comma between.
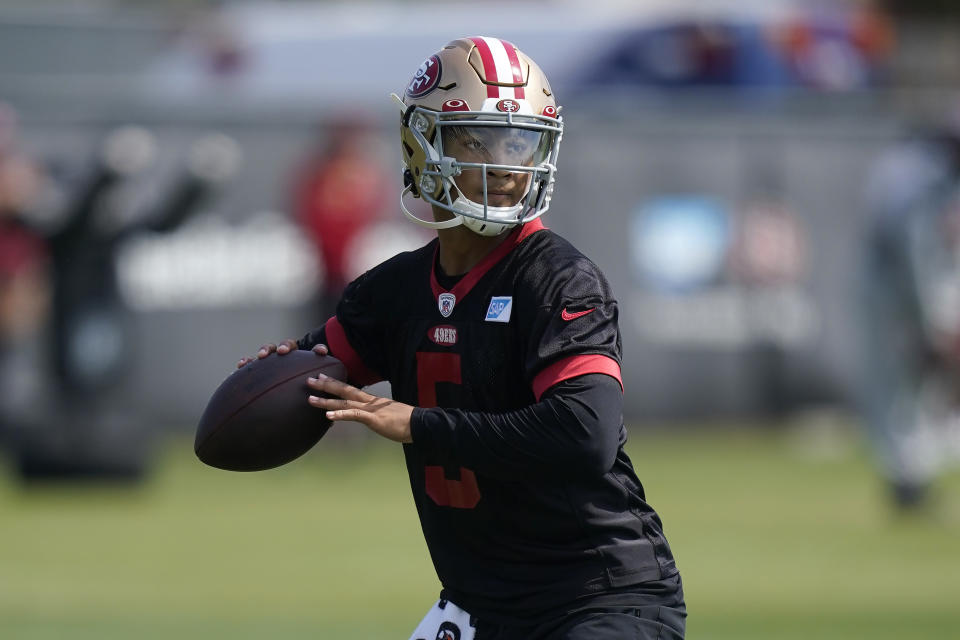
x: 455, y: 221
x: 475, y: 210
x: 475, y: 221
x: 478, y: 226
x: 489, y: 221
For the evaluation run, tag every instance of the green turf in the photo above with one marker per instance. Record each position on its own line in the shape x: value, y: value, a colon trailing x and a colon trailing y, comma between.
x: 776, y: 540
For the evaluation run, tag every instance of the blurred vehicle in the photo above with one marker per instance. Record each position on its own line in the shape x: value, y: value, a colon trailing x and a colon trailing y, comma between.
x: 256, y: 55
x: 835, y: 46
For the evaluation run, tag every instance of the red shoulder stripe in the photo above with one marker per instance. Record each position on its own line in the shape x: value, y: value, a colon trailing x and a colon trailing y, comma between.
x: 574, y: 366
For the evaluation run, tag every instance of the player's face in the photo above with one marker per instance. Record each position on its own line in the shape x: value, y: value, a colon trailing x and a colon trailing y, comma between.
x: 498, y: 146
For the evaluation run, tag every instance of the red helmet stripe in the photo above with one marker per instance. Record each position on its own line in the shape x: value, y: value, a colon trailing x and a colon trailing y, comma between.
x: 489, y: 66
x: 515, y: 67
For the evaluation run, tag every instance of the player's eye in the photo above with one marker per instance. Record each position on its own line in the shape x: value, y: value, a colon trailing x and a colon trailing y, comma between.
x: 476, y: 146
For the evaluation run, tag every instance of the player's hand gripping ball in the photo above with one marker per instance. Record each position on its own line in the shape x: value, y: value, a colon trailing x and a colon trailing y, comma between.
x: 259, y: 417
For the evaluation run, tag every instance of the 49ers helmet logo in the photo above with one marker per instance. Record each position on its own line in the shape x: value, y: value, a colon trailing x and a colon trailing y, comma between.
x: 426, y: 78
x: 508, y: 105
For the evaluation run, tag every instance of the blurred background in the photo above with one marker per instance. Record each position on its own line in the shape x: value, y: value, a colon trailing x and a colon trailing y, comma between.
x: 772, y: 187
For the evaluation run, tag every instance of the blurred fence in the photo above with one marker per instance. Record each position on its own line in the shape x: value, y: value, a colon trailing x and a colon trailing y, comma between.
x: 720, y: 337
x: 722, y: 346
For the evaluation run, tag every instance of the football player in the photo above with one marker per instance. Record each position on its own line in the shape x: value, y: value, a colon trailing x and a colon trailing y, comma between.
x: 909, y: 292
x: 501, y: 344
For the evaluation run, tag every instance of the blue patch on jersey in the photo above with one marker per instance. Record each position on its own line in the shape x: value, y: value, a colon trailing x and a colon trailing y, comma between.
x: 499, y: 309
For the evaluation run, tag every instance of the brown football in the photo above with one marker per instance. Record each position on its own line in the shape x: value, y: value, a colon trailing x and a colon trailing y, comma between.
x: 259, y: 417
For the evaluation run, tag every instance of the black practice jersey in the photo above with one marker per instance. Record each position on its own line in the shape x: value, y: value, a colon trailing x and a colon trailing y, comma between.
x: 526, y: 498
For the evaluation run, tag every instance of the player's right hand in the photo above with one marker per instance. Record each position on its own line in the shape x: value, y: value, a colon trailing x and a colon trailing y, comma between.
x: 283, y: 348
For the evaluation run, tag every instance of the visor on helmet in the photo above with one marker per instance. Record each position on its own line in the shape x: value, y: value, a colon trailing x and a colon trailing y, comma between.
x: 499, y: 146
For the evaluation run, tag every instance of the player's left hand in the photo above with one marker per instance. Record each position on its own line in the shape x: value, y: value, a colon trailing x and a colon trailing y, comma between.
x: 384, y: 416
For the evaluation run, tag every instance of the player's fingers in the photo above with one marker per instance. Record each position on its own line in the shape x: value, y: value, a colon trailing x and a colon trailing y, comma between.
x: 321, y: 349
x: 354, y: 415
x: 286, y: 347
x: 338, y: 388
x: 266, y: 350
x: 244, y: 362
x: 332, y: 403
x: 319, y: 402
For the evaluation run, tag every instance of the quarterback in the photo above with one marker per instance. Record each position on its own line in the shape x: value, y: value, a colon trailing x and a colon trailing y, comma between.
x: 501, y: 343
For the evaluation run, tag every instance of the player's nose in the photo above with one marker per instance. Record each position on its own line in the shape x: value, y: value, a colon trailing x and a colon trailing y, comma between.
x: 500, y: 179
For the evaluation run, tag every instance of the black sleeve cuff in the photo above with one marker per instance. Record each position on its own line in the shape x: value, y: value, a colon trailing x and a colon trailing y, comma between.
x: 313, y: 338
x: 431, y: 429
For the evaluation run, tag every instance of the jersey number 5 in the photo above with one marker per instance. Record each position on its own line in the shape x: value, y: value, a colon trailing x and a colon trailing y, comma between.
x: 462, y: 493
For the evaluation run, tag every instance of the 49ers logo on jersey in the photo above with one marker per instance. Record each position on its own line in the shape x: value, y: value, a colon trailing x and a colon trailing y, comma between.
x: 444, y: 335
x: 425, y: 79
x: 508, y: 105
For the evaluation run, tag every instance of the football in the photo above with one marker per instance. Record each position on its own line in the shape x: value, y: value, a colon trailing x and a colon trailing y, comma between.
x: 259, y: 417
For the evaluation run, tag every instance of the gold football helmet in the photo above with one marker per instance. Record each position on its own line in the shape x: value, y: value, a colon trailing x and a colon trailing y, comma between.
x: 480, y: 133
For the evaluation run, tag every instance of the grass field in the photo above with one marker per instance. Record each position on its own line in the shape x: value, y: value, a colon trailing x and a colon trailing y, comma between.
x: 778, y: 536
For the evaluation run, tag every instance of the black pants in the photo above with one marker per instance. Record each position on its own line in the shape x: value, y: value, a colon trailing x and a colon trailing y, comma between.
x: 651, y: 611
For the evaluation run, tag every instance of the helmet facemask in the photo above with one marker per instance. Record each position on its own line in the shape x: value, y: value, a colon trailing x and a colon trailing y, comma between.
x: 492, y: 171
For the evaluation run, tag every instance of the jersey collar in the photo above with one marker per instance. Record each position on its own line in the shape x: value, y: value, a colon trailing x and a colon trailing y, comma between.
x: 466, y: 283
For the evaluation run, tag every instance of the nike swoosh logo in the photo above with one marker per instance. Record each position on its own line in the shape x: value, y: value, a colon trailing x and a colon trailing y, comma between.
x: 566, y: 315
